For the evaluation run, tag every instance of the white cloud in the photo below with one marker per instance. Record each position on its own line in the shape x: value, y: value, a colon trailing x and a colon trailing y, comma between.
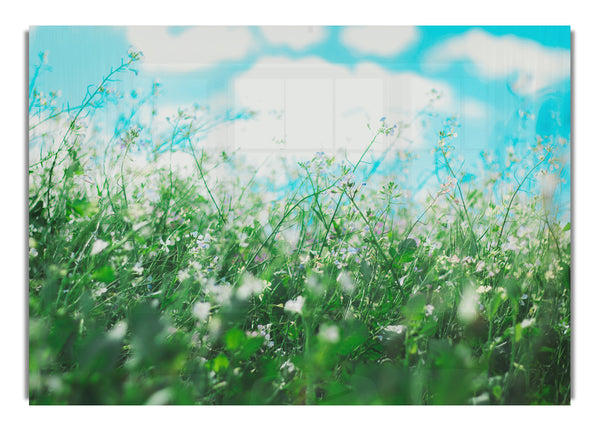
x: 311, y: 105
x: 383, y: 41
x: 529, y: 66
x: 475, y: 109
x: 194, y: 48
x: 296, y: 37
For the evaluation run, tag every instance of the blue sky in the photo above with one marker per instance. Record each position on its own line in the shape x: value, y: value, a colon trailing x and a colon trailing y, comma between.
x: 80, y: 56
x: 316, y: 88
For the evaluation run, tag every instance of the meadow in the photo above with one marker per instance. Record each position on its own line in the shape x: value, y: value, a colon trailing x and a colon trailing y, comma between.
x: 150, y: 284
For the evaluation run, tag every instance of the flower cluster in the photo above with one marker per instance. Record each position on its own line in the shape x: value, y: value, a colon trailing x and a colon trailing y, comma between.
x: 448, y: 186
x: 265, y: 332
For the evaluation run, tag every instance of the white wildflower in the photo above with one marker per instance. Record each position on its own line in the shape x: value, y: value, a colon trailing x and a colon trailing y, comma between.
x: 395, y: 329
x: 265, y: 332
x: 204, y: 241
x: 429, y: 309
x: 100, y: 291
x: 242, y: 238
x: 502, y: 292
x: 527, y: 323
x: 118, y: 331
x: 448, y: 186
x: 138, y: 268
x: 346, y: 282
x: 201, y: 311
x: 480, y: 266
x: 315, y: 286
x: 98, y: 246
x: 483, y: 289
x: 512, y: 244
x: 294, y: 305
x: 329, y: 333
x: 393, y: 333
x: 160, y: 397
x: 288, y: 366
x: 467, y: 310
x: 183, y: 275
x: 250, y: 286
x: 220, y: 292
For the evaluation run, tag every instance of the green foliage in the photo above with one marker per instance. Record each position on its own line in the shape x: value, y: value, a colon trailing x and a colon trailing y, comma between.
x: 152, y: 286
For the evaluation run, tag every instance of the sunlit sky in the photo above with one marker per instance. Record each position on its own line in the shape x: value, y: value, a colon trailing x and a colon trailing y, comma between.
x: 316, y: 88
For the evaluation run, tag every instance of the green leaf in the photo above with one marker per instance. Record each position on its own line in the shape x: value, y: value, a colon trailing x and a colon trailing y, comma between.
x: 405, y: 251
x: 83, y: 207
x: 513, y: 290
x: 220, y: 363
x: 105, y: 274
x: 518, y: 332
x: 251, y: 346
x: 74, y: 169
x: 495, y: 305
x: 293, y: 333
x: 412, y: 347
x: 353, y: 335
x: 497, y: 391
x: 415, y: 307
x: 234, y: 339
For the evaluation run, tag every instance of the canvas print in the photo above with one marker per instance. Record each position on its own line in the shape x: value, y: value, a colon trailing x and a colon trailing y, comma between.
x: 291, y: 215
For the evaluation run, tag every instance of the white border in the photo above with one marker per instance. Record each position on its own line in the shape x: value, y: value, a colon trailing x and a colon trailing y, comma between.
x: 15, y: 22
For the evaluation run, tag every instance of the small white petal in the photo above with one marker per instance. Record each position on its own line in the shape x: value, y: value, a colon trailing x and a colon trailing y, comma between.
x: 98, y: 246
x: 294, y: 305
x: 201, y: 310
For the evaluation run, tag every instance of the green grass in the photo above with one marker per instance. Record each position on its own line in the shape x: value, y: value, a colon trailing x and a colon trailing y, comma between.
x: 151, y: 285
